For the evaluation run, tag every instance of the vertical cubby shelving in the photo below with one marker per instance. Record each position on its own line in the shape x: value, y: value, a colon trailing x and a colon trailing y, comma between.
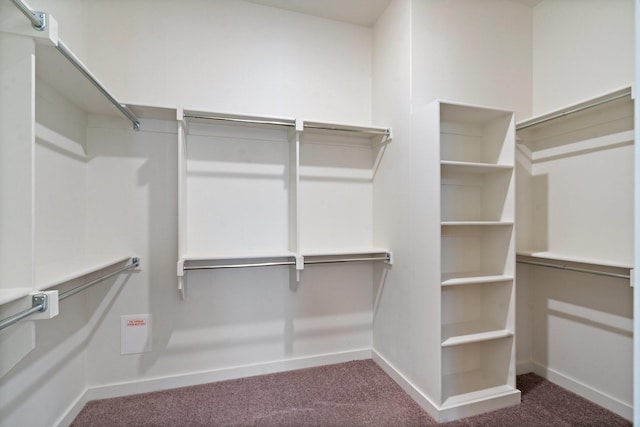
x: 477, y: 254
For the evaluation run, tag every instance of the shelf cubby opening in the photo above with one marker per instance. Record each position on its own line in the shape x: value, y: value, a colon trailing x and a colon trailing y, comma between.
x: 473, y: 134
x: 471, y: 369
x: 476, y: 312
x: 476, y: 194
x: 477, y: 250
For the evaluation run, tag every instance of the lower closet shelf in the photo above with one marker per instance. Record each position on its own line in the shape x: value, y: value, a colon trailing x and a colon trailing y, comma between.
x: 468, y: 278
x: 471, y: 332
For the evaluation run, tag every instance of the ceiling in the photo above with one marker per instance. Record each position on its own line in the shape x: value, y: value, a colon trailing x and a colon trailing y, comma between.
x: 359, y: 12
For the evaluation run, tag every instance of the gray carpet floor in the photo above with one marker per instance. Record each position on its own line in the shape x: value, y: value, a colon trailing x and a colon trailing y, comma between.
x: 355, y: 393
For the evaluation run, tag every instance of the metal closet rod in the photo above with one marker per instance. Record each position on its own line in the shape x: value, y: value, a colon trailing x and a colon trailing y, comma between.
x: 288, y: 123
x: 580, y: 270
x: 575, y: 110
x: 386, y: 257
x: 135, y: 262
x: 66, y: 52
x: 38, y: 19
x: 39, y: 22
x: 284, y: 122
x: 40, y: 301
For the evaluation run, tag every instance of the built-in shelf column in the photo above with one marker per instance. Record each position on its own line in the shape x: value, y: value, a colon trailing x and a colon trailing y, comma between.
x: 477, y: 257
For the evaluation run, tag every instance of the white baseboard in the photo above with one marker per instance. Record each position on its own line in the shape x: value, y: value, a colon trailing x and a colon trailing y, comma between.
x: 175, y: 381
x: 406, y: 385
x: 74, y: 409
x: 613, y: 404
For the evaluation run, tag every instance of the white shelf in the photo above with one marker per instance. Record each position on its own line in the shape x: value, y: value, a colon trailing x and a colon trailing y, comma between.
x: 60, y: 273
x: 265, y: 256
x: 59, y: 73
x: 549, y: 118
x: 8, y: 295
x: 473, y: 277
x: 471, y: 332
x: 552, y: 256
x: 473, y: 167
x: 237, y: 256
x: 346, y: 251
x: 475, y: 223
x: 370, y: 133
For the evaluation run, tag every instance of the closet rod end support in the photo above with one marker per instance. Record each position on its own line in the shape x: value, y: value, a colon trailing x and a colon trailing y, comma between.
x: 40, y: 300
x: 42, y: 17
x: 136, y: 125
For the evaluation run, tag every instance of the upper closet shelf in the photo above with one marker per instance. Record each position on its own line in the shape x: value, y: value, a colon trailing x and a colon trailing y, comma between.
x: 380, y: 134
x: 281, y: 259
x: 70, y: 270
x: 58, y: 66
x: 66, y: 273
x: 8, y: 295
x: 578, y: 264
x: 604, y: 100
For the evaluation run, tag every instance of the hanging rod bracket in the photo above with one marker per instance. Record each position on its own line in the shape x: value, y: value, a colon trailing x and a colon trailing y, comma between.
x: 40, y: 300
x: 42, y: 17
x: 38, y: 19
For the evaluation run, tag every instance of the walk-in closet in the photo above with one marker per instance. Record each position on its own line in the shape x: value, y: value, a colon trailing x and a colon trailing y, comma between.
x: 199, y: 191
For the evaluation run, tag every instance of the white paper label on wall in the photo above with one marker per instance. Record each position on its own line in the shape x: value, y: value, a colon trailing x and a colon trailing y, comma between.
x: 135, y: 333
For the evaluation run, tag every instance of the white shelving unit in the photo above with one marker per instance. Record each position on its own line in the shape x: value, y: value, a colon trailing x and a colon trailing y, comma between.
x: 263, y: 191
x: 477, y: 213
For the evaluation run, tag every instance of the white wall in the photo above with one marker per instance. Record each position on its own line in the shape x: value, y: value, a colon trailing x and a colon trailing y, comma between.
x: 223, y: 55
x: 581, y: 49
x: 473, y: 52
